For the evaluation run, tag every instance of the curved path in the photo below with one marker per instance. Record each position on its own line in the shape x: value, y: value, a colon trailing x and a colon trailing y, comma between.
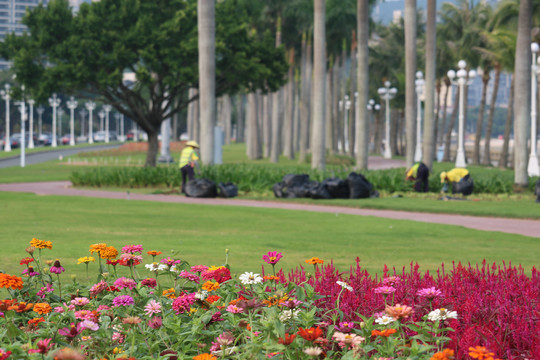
x: 513, y: 226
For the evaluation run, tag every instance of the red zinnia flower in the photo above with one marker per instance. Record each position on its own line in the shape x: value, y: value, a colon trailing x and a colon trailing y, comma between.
x: 26, y: 261
x: 310, y: 334
x: 287, y: 340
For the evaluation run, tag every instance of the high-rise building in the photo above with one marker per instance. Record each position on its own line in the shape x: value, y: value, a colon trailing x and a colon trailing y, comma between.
x: 11, y: 13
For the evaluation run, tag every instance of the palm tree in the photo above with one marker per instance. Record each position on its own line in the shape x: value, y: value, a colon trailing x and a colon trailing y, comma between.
x: 207, y: 77
x: 410, y: 76
x: 318, y: 148
x: 431, y: 55
x: 362, y: 125
x: 276, y: 111
x: 522, y: 103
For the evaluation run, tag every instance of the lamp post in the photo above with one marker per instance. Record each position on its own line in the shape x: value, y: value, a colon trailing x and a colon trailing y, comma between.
x: 107, y: 109
x: 371, y: 106
x: 463, y: 79
x: 54, y: 102
x: 532, y: 168
x: 387, y: 93
x: 419, y: 82
x: 31, y: 145
x: 90, y: 106
x: 23, y: 135
x: 101, y: 115
x: 6, y: 95
x: 40, y: 109
x: 82, y: 113
x: 72, y: 105
x: 345, y: 105
x: 60, y: 113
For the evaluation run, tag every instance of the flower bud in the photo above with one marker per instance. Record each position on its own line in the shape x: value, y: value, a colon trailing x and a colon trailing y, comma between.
x: 30, y: 250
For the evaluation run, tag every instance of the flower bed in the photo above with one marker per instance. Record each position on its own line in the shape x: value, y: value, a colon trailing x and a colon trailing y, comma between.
x: 179, y: 311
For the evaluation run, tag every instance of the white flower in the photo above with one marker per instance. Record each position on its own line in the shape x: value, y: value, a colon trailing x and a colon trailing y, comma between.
x: 173, y: 268
x: 344, y: 285
x: 156, y: 267
x: 201, y: 295
x: 249, y: 278
x: 287, y: 315
x: 442, y: 314
x: 384, y: 320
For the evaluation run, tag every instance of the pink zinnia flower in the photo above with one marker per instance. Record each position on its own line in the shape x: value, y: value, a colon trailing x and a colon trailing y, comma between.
x: 153, y: 307
x: 234, y: 309
x: 129, y: 259
x: 391, y: 280
x: 189, y: 276
x: 385, y: 290
x: 44, y: 290
x: 155, y: 322
x: 98, y: 288
x: 72, y: 331
x: 183, y: 303
x: 103, y: 307
x: 345, y: 326
x: 44, y: 346
x: 90, y: 325
x: 123, y: 282
x: 123, y: 300
x: 59, y: 309
x: 199, y: 268
x: 170, y: 261
x: 272, y: 257
x: 57, y: 268
x: 85, y: 315
x: 149, y: 282
x: 429, y: 293
x: 131, y: 249
x: 80, y: 301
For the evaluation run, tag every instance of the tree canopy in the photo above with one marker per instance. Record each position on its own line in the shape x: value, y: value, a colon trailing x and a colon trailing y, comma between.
x: 154, y: 39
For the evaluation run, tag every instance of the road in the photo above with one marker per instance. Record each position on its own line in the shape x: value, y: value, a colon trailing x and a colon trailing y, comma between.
x: 39, y: 157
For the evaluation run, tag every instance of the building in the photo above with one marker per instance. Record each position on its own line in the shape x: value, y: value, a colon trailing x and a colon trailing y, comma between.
x: 11, y: 13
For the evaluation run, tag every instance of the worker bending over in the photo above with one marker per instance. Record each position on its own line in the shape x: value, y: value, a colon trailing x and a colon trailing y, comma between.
x: 460, y: 179
x: 419, y: 172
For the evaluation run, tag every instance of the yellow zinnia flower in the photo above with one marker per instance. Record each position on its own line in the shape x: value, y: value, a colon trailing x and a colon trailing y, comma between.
x: 41, y: 244
x: 85, y: 260
x: 108, y: 252
x: 210, y: 285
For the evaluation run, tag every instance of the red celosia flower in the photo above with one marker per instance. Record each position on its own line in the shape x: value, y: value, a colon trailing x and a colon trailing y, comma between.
x: 385, y: 332
x: 287, y: 340
x: 310, y: 334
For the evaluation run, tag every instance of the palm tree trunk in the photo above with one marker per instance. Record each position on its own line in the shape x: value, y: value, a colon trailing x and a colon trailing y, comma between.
x: 277, y: 107
x: 318, y: 148
x: 436, y: 118
x: 410, y: 76
x: 335, y: 105
x: 489, y: 126
x: 240, y: 129
x: 352, y: 92
x: 329, y: 107
x: 227, y: 115
x: 522, y: 103
x: 191, y: 114
x: 288, y: 132
x: 445, y: 109
x: 503, y: 161
x: 266, y: 119
x: 303, y: 121
x: 448, y: 140
x: 430, y: 123
x: 480, y: 120
x: 362, y: 80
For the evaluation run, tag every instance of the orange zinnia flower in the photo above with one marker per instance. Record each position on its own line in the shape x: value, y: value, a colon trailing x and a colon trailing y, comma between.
x: 235, y: 301
x: 314, y: 260
x: 287, y: 340
x: 97, y: 247
x: 481, y: 353
x: 5, y: 304
x: 310, y: 334
x: 41, y: 244
x: 154, y: 253
x: 35, y: 321
x: 205, y: 357
x: 446, y: 354
x: 108, y: 252
x: 399, y: 311
x: 42, y: 308
x: 10, y: 281
x: 170, y: 293
x: 275, y: 278
x: 210, y: 285
x: 212, y: 299
x: 21, y: 307
x: 385, y: 332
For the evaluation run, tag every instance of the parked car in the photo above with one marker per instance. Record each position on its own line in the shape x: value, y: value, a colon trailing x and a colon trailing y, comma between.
x: 100, y: 136
x: 65, y: 139
x: 45, y: 139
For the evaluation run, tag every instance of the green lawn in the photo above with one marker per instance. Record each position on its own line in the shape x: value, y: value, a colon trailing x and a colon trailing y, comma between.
x: 200, y: 234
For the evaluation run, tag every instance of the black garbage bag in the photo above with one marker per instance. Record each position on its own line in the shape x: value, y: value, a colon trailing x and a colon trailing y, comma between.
x: 337, y: 188
x: 318, y: 190
x: 300, y: 191
x: 464, y: 186
x: 294, y: 180
x: 359, y: 186
x: 278, y: 190
x: 227, y: 190
x: 201, y: 188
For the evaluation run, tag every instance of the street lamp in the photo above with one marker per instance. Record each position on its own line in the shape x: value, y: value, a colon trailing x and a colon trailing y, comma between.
x: 72, y: 105
x: 387, y: 93
x: 120, y: 125
x: 90, y: 106
x: 532, y: 168
x: 40, y: 110
x: 345, y: 105
x: 419, y: 82
x: 54, y: 102
x: 371, y: 106
x: 23, y: 135
x: 31, y: 102
x: 107, y: 109
x: 463, y: 79
x: 60, y: 113
x: 82, y: 113
x: 6, y: 95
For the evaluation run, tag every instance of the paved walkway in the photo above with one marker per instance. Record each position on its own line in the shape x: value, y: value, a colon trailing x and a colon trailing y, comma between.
x: 513, y: 226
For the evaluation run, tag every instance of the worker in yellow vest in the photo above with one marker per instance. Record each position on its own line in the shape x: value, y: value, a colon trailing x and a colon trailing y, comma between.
x: 419, y: 172
x: 459, y: 178
x: 188, y: 161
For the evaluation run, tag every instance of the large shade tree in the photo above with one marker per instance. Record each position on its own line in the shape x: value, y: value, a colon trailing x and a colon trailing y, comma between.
x: 155, y: 39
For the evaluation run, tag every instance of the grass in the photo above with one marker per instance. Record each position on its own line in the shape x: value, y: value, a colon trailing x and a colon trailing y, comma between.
x: 200, y: 234
x: 17, y: 151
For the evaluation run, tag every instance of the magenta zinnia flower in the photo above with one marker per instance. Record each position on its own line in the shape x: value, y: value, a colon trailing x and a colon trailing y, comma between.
x: 385, y: 290
x: 57, y: 268
x: 189, y: 276
x: 155, y: 322
x: 71, y: 331
x: 272, y: 257
x: 131, y: 249
x: 98, y: 288
x: 44, y: 290
x: 183, y: 303
x: 429, y: 293
x: 123, y: 300
x: 44, y: 346
x: 124, y: 282
x: 149, y: 282
x: 199, y: 268
x: 80, y: 301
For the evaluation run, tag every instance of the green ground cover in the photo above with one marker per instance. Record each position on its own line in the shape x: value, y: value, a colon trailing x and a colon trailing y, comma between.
x: 200, y: 234
x: 17, y: 151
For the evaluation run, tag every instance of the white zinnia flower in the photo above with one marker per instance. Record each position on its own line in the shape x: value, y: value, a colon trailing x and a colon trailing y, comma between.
x: 156, y: 267
x: 173, y: 268
x: 384, y: 320
x: 442, y: 314
x: 249, y: 278
x: 287, y: 315
x: 201, y: 295
x: 344, y: 285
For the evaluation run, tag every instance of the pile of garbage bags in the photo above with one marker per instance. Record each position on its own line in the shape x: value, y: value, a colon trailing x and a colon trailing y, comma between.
x: 205, y: 188
x: 356, y: 186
